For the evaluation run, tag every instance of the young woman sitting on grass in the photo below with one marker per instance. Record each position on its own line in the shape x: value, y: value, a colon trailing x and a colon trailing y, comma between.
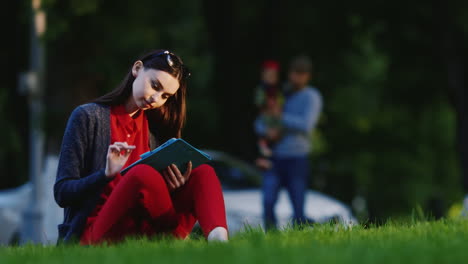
x: 103, y: 137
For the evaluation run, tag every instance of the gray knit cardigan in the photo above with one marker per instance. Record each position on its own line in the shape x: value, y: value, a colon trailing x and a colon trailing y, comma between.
x: 80, y: 174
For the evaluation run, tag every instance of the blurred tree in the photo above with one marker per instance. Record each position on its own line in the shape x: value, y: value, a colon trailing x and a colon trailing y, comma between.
x: 390, y: 126
x: 451, y: 35
x: 14, y: 23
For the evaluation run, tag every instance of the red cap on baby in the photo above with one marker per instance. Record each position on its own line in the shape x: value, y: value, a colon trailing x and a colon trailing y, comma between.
x: 271, y: 64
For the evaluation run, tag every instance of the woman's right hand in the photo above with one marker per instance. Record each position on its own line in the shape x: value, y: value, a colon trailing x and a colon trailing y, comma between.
x: 117, y: 156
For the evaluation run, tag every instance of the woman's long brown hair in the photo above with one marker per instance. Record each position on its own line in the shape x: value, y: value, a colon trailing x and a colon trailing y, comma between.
x: 168, y: 120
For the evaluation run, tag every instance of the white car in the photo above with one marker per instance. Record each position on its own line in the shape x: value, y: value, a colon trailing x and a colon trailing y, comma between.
x: 14, y: 203
x: 243, y: 198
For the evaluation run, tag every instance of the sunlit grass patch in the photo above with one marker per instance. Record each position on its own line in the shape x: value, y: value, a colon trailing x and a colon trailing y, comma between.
x: 410, y: 242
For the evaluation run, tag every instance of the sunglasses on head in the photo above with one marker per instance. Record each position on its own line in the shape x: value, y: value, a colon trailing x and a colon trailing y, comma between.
x: 174, y: 62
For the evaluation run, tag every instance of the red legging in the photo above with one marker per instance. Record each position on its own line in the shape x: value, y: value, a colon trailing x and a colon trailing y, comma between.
x: 141, y: 204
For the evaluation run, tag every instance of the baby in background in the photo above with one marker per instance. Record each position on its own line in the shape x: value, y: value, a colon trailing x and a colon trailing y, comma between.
x: 269, y: 100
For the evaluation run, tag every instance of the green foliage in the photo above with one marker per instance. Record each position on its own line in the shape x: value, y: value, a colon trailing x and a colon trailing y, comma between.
x: 11, y: 151
x: 395, y: 146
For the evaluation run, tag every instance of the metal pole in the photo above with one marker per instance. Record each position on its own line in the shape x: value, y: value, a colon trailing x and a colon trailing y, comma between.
x: 32, y: 227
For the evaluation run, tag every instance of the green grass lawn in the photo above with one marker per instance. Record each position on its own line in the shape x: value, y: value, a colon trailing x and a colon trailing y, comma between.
x: 419, y: 242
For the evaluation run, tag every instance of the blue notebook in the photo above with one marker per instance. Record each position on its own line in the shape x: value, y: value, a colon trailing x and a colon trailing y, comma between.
x: 174, y: 151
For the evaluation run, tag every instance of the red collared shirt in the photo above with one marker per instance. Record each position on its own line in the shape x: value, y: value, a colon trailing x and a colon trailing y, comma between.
x: 133, y: 130
x: 124, y: 128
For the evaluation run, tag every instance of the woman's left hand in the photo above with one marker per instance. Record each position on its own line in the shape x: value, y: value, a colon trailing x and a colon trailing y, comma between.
x: 174, y: 178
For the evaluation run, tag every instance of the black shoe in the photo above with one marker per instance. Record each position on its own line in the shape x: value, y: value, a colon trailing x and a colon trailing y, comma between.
x: 270, y: 226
